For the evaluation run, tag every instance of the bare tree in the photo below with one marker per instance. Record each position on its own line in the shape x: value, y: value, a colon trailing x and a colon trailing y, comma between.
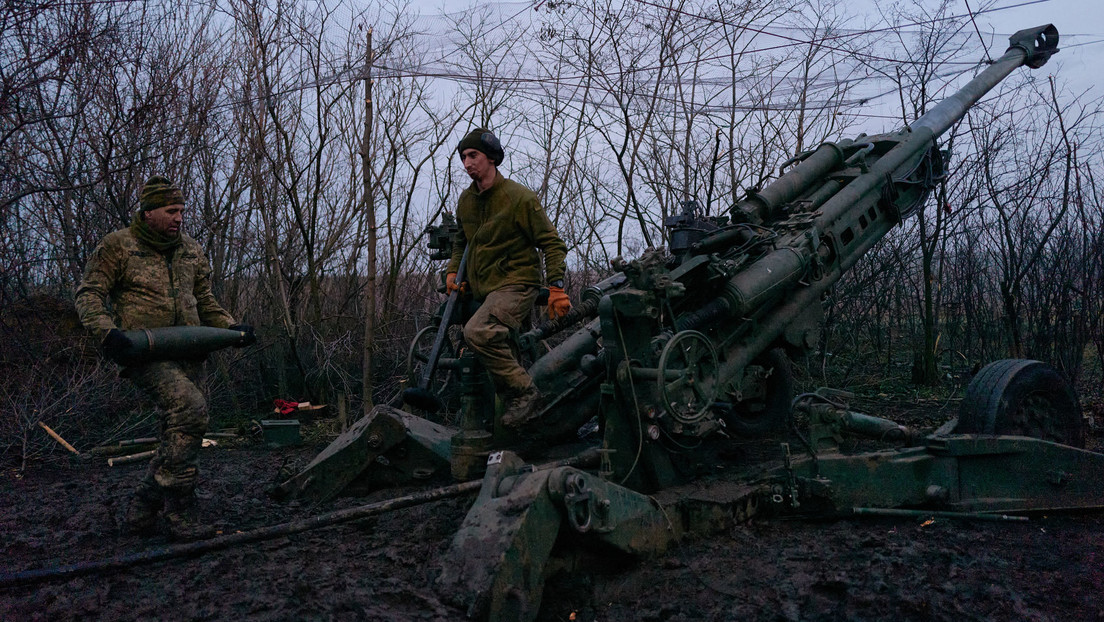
x: 936, y: 41
x: 1016, y: 182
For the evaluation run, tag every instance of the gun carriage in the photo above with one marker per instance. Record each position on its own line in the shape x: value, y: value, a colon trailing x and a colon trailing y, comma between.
x: 685, y: 349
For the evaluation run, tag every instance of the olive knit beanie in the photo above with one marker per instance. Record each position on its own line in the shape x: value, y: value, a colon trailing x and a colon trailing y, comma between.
x: 159, y: 192
x: 484, y: 140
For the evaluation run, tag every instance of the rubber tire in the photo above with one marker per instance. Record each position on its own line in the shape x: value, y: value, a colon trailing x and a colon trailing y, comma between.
x: 1008, y: 397
x: 777, y: 402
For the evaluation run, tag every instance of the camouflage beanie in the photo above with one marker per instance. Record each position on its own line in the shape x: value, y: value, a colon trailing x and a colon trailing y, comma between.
x: 159, y: 192
x: 484, y: 140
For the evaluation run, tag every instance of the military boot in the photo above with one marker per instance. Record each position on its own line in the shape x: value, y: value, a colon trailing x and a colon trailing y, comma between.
x: 182, y: 520
x: 521, y: 408
x: 141, y: 516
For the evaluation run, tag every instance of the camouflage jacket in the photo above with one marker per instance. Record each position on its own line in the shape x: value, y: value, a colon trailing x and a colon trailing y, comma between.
x: 505, y: 225
x: 147, y: 289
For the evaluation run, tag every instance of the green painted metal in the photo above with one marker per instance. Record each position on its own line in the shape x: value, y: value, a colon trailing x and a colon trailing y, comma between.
x: 687, y: 350
x: 347, y: 457
x: 471, y: 445
x: 610, y: 514
x: 961, y: 473
x: 177, y: 342
x: 1007, y: 473
x: 494, y: 568
x: 739, y: 291
x: 830, y: 420
x: 435, y: 437
x: 281, y: 432
x: 675, y: 357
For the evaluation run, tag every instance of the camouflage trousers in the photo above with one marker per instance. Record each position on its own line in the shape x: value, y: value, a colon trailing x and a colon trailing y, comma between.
x: 176, y: 387
x: 488, y: 333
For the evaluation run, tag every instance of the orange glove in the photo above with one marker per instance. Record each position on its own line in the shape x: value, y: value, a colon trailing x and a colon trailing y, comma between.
x: 558, y: 302
x: 451, y: 285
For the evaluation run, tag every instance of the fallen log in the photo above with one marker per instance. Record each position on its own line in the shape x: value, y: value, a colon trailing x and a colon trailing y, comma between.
x: 138, y: 441
x: 145, y: 455
x: 129, y: 445
x: 109, y: 451
x: 12, y: 579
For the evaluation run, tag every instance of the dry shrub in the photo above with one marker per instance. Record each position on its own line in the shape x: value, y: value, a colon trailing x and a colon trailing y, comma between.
x: 50, y: 372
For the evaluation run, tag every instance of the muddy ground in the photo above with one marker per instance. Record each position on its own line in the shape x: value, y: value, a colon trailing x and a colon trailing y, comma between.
x: 383, y: 568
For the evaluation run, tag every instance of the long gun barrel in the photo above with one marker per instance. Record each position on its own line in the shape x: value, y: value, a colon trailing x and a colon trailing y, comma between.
x: 687, y: 339
x: 754, y: 283
x: 835, y: 205
x: 1031, y: 47
x: 687, y: 354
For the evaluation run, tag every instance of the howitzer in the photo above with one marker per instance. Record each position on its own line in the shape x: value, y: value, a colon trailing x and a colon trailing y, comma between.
x: 694, y: 337
x: 685, y: 349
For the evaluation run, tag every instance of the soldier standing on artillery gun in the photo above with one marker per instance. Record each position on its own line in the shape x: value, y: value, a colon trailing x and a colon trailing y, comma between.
x: 504, y: 224
x: 155, y: 276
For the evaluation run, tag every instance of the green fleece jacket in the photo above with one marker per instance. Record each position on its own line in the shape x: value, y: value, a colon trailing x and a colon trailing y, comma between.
x: 147, y: 289
x: 505, y: 225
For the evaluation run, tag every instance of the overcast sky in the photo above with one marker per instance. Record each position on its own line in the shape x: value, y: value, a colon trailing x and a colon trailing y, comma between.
x: 1080, y: 26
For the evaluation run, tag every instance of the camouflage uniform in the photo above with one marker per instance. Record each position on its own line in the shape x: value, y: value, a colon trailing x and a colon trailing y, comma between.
x: 147, y: 289
x: 151, y: 289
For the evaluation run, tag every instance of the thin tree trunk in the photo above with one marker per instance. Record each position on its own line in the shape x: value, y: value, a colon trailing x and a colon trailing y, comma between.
x: 370, y: 215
